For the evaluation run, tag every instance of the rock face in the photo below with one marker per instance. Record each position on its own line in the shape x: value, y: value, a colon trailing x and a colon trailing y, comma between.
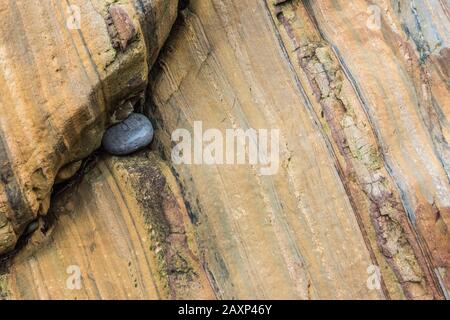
x: 123, y: 229
x: 64, y: 71
x: 363, y: 115
x: 357, y: 208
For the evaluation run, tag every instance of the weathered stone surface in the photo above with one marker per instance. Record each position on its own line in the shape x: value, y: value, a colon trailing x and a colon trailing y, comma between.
x: 134, y: 133
x: 121, y: 27
x: 68, y: 171
x: 362, y: 110
x: 61, y: 79
x: 364, y: 140
x: 124, y: 226
x: 405, y: 94
x: 291, y: 235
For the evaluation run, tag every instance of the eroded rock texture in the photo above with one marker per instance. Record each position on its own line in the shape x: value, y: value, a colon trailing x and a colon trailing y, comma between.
x: 64, y: 72
x: 124, y: 228
x: 363, y: 113
x: 358, y: 89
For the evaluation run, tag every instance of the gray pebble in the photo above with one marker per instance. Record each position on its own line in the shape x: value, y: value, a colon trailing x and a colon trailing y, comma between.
x: 134, y: 133
x: 32, y: 227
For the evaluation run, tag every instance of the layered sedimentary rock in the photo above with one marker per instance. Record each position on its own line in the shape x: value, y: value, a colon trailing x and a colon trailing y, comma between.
x: 67, y: 71
x: 357, y: 206
x: 290, y: 235
x: 399, y: 71
x: 121, y: 232
x: 363, y: 119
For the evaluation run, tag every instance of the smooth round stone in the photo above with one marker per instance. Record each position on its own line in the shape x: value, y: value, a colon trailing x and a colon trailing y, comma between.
x: 130, y: 135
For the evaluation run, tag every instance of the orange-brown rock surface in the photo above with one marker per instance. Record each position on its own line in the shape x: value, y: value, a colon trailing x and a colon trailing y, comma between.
x: 363, y: 116
x: 125, y: 229
x: 358, y: 208
x: 66, y: 73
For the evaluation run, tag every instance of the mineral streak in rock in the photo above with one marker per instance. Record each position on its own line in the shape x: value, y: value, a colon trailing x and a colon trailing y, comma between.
x: 134, y: 133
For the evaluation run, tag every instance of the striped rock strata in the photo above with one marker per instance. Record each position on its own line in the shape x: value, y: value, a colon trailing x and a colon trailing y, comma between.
x: 67, y: 71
